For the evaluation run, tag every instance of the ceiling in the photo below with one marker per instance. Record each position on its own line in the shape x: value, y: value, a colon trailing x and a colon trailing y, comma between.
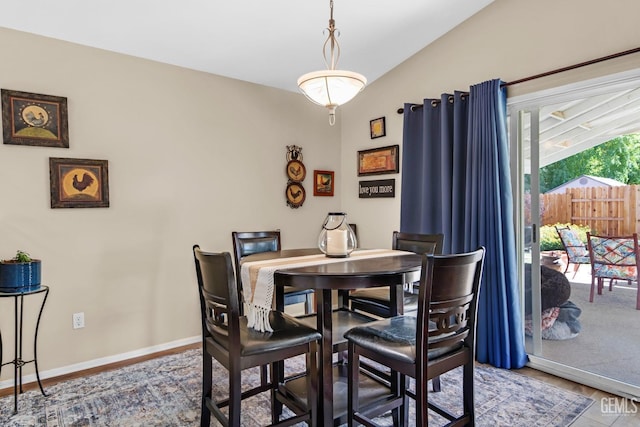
x: 269, y: 43
x: 567, y: 128
x: 273, y: 43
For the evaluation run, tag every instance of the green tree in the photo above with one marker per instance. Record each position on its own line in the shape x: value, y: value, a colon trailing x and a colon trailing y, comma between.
x: 618, y: 159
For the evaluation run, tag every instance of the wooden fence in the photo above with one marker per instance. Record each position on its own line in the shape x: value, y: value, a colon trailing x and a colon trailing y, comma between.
x: 612, y: 211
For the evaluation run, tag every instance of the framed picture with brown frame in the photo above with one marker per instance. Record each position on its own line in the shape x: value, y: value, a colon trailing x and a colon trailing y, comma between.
x: 79, y: 183
x: 323, y: 183
x: 379, y: 161
x: 34, y: 119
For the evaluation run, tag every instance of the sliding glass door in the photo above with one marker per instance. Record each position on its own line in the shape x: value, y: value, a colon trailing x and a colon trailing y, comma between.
x: 587, y: 342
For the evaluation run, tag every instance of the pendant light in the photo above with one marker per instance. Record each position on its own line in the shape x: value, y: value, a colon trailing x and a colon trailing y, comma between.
x: 331, y: 88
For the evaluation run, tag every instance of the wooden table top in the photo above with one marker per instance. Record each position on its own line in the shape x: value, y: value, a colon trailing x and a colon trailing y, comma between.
x: 350, y: 273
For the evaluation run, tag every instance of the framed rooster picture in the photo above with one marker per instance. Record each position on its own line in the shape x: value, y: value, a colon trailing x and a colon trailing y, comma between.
x: 79, y: 183
x: 323, y: 183
x: 34, y: 119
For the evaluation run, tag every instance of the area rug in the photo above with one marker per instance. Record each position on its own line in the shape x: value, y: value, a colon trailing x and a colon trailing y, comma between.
x: 166, y: 392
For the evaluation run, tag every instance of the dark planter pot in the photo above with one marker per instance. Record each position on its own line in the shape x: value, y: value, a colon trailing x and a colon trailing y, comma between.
x: 19, y: 276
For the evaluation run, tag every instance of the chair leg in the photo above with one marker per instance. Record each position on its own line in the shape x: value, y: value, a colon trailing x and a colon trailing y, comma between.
x: 277, y: 376
x: 593, y: 285
x: 421, y: 400
x: 207, y: 372
x: 235, y: 394
x: 404, y: 409
x: 575, y: 270
x: 312, y: 383
x: 353, y: 368
x: 435, y: 382
x: 398, y: 388
x: 468, y: 393
x: 264, y: 376
x: 308, y: 303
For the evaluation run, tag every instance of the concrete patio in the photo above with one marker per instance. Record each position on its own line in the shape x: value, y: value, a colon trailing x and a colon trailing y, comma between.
x: 609, y: 341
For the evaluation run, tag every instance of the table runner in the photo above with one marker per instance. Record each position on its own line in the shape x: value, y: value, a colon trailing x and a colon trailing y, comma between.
x: 258, y: 286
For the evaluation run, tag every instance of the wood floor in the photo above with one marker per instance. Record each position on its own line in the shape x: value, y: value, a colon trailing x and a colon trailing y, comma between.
x: 607, y: 409
x: 98, y: 369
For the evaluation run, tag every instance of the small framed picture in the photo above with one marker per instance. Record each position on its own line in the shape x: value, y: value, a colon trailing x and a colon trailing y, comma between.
x: 379, y: 161
x: 323, y: 183
x: 34, y: 119
x: 79, y: 183
x: 377, y: 128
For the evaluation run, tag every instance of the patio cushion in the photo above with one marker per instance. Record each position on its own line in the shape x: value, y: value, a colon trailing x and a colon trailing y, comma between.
x: 614, y: 258
x: 616, y: 272
x: 575, y: 247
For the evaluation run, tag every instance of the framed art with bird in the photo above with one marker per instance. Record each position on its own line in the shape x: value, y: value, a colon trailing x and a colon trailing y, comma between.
x: 79, y: 183
x: 323, y: 183
x: 34, y: 119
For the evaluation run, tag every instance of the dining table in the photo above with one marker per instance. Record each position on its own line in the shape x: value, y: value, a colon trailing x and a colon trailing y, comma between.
x: 362, y: 269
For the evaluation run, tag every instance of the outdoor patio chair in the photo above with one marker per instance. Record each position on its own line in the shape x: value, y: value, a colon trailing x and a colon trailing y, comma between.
x: 613, y: 258
x: 575, y: 248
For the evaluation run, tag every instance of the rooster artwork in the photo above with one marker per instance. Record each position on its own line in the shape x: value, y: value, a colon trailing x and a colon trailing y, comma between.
x: 323, y: 183
x: 34, y: 119
x: 296, y: 172
x: 86, y: 181
x: 79, y: 183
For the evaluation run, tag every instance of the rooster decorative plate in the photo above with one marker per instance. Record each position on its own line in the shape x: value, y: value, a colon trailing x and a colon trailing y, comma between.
x: 296, y: 171
x: 295, y: 194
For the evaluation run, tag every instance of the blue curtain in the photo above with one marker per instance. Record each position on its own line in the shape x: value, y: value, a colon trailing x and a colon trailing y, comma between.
x: 456, y: 181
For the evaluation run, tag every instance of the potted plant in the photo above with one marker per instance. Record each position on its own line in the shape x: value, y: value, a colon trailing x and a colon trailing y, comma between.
x: 20, y: 273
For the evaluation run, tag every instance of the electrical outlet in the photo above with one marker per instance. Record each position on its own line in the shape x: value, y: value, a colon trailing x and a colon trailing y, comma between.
x: 78, y: 320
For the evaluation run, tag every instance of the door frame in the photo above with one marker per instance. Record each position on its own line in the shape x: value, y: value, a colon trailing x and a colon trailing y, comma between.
x: 531, y: 103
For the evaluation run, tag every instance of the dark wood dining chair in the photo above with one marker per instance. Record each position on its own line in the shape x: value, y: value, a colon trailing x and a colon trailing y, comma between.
x: 442, y: 339
x: 226, y: 338
x: 252, y: 242
x: 379, y: 301
x: 613, y: 258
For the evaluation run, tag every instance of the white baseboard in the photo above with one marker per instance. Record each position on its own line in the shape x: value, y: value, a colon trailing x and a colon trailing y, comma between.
x: 99, y: 362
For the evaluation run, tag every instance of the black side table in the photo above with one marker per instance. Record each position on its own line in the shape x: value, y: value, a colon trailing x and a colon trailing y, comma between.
x: 18, y: 362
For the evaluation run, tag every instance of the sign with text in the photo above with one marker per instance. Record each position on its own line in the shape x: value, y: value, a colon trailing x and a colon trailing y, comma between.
x: 377, y: 188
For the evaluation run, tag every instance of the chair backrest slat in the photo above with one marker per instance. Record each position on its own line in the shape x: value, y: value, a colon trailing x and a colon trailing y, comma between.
x: 418, y: 243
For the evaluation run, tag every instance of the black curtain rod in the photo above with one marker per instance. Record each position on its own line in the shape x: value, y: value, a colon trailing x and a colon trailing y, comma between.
x: 558, y: 70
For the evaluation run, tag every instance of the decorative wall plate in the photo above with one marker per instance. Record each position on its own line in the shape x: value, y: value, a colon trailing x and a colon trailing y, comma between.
x: 295, y: 194
x: 296, y: 171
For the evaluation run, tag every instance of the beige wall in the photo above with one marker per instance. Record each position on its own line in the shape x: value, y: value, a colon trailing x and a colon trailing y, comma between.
x: 193, y: 156
x: 509, y: 39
